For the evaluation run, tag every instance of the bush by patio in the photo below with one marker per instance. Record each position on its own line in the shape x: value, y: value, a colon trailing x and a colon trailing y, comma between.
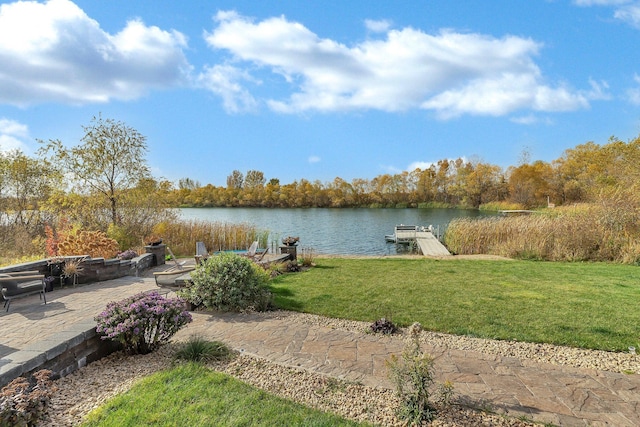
x: 142, y: 322
x: 229, y: 282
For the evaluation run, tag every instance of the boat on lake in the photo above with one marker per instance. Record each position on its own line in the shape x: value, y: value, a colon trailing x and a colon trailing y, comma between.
x: 418, y: 236
x: 406, y: 234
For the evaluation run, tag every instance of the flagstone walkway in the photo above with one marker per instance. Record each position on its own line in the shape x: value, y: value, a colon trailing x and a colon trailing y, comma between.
x: 542, y: 392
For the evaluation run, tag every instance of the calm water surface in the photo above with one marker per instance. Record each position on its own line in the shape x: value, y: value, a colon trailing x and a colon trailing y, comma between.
x: 333, y: 231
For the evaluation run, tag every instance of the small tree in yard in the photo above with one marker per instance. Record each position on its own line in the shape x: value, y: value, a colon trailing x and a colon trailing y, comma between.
x: 110, y: 160
x: 229, y: 282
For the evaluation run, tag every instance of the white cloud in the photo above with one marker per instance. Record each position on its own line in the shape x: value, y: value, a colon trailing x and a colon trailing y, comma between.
x: 377, y: 26
x: 314, y: 159
x: 224, y: 80
x: 449, y: 73
x: 420, y: 165
x: 633, y: 94
x: 12, y: 135
x: 625, y: 10
x: 390, y: 169
x: 53, y: 52
x: 629, y: 13
x: 600, y: 2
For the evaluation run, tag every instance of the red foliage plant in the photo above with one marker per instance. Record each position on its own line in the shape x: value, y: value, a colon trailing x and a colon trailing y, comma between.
x: 55, y: 235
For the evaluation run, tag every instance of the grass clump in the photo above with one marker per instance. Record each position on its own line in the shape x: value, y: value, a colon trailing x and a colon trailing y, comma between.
x: 198, y: 349
x: 192, y: 395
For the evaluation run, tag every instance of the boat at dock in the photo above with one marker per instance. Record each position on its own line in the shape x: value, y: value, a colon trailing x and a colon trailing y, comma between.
x: 423, y: 237
x: 405, y: 234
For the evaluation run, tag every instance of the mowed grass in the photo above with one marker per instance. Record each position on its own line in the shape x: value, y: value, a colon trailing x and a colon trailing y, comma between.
x: 192, y: 395
x: 588, y: 305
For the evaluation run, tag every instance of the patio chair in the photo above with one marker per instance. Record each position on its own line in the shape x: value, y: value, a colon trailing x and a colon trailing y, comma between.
x: 251, y: 252
x: 21, y: 284
x: 201, y: 253
x: 169, y: 279
x: 178, y: 264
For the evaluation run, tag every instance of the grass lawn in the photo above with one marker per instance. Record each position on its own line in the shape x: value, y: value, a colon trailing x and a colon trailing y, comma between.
x: 589, y: 305
x: 192, y: 395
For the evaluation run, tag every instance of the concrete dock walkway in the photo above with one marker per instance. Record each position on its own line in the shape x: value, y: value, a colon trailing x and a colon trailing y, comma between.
x: 542, y: 392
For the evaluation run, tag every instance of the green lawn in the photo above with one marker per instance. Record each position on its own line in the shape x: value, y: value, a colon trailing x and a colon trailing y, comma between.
x: 192, y: 395
x: 590, y: 305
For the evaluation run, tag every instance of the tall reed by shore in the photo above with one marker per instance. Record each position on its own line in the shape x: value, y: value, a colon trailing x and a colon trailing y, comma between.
x: 577, y: 233
x: 182, y: 235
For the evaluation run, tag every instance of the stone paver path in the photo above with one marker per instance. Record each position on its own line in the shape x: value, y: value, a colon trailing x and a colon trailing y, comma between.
x: 547, y: 393
x: 543, y: 392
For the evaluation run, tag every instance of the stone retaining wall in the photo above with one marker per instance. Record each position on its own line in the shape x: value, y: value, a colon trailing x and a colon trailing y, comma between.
x: 94, y: 269
x: 62, y: 353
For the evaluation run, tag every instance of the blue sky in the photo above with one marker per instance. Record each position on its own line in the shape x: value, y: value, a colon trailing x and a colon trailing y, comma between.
x: 315, y: 90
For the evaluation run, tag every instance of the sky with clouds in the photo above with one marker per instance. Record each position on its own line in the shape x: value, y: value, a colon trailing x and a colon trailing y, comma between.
x: 317, y: 90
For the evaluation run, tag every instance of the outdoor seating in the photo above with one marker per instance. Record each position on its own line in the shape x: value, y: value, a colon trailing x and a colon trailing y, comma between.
x: 254, y: 253
x: 201, y: 253
x: 251, y: 252
x: 169, y: 279
x: 21, y: 284
x: 178, y: 264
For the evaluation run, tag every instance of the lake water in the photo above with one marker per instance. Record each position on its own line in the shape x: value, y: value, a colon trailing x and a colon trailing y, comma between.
x: 334, y: 231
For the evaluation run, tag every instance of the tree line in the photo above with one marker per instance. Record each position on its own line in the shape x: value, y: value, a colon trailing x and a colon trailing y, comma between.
x: 578, y: 176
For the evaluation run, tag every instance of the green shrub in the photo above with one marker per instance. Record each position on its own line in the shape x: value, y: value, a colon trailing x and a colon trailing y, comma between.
x: 198, y: 349
x: 229, y: 282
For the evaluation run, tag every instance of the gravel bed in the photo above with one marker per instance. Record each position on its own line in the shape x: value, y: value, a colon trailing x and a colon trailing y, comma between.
x: 89, y: 387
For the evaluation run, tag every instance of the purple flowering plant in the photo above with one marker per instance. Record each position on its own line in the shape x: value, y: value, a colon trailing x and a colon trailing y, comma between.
x: 143, y: 322
x: 128, y: 254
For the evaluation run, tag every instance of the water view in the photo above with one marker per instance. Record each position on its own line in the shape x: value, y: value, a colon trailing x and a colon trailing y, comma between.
x: 334, y: 231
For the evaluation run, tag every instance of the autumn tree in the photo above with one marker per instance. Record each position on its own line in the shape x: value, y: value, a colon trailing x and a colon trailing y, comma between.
x: 109, y: 161
x: 25, y: 185
x: 530, y: 185
x: 254, y: 179
x: 27, y: 182
x: 235, y: 180
x: 482, y: 184
x: 188, y: 184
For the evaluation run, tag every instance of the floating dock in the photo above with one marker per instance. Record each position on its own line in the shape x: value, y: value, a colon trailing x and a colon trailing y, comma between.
x: 428, y: 243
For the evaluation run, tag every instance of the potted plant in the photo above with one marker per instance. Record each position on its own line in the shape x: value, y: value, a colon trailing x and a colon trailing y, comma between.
x: 128, y: 254
x: 153, y: 240
x: 48, y: 283
x: 71, y: 270
x: 55, y: 266
x: 290, y: 241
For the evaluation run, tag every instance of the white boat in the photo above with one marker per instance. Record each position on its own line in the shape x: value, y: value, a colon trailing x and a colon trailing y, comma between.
x: 405, y: 234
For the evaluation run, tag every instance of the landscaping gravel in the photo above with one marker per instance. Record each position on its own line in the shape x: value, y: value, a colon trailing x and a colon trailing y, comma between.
x: 91, y: 386
x: 548, y: 353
